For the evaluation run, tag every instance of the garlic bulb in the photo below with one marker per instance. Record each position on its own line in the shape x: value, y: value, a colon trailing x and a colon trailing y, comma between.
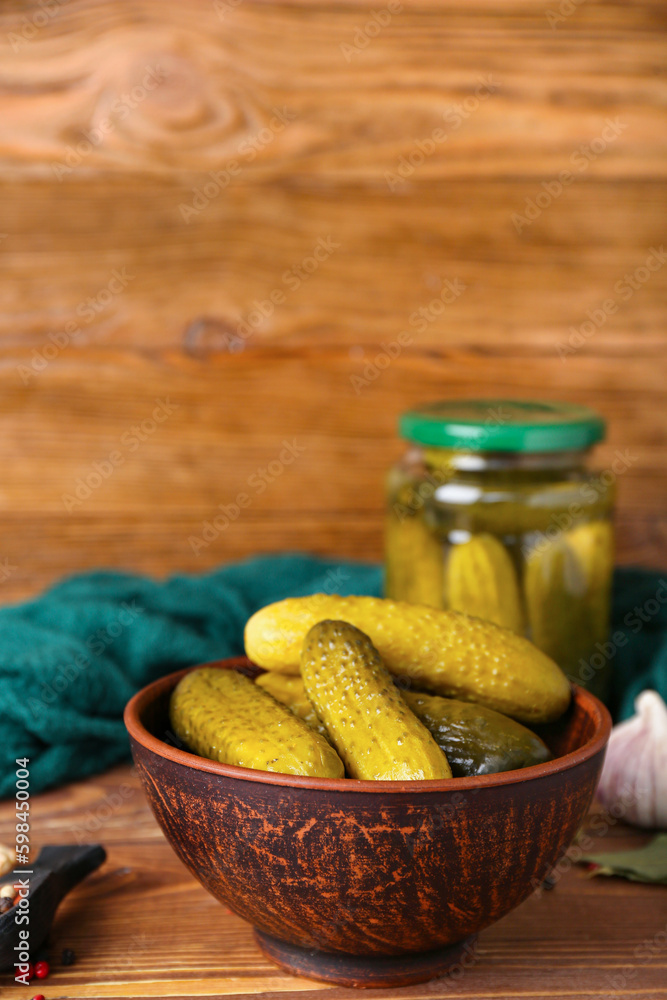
x: 633, y: 786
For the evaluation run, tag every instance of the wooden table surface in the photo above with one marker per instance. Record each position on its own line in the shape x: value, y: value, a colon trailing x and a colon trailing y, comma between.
x: 142, y: 927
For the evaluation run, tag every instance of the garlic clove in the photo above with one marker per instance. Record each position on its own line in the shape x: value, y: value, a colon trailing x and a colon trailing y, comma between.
x: 633, y: 786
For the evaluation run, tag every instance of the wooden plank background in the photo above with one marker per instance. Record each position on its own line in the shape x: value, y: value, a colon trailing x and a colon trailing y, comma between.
x: 127, y: 269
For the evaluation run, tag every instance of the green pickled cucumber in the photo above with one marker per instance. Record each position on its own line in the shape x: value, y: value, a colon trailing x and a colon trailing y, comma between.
x: 477, y: 740
x: 224, y: 716
x: 290, y: 691
x: 481, y: 581
x: 368, y: 721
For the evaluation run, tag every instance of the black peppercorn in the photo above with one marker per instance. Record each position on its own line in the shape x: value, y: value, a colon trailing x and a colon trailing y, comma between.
x: 68, y: 957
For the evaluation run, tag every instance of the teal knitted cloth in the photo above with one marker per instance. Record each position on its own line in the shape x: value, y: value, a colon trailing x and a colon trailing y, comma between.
x: 71, y: 658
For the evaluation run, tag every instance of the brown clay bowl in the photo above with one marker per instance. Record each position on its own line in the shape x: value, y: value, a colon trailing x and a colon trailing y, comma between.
x: 367, y: 883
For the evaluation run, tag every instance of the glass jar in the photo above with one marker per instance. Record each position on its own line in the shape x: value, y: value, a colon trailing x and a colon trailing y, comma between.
x: 493, y: 511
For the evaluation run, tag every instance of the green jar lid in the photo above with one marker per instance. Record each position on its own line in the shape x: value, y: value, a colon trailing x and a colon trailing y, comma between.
x: 503, y: 425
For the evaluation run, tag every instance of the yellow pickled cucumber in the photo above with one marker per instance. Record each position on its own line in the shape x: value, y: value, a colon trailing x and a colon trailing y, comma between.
x: 555, y: 588
x: 567, y: 585
x: 475, y: 739
x: 445, y: 652
x: 290, y: 691
x: 593, y: 544
x: 224, y: 716
x: 414, y: 561
x: 368, y: 722
x: 481, y: 581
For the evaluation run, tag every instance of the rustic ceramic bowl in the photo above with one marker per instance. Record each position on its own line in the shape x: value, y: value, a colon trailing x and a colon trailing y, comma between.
x: 367, y: 883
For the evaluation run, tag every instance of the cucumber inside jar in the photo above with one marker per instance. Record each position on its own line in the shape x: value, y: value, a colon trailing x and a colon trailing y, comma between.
x: 520, y: 538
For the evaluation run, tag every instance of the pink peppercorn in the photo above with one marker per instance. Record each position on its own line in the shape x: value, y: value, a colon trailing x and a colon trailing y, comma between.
x: 42, y: 970
x: 38, y: 996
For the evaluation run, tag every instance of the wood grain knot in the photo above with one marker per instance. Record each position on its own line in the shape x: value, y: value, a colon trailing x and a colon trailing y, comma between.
x: 207, y: 335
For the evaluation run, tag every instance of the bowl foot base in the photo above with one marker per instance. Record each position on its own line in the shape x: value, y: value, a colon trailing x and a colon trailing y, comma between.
x: 366, y: 970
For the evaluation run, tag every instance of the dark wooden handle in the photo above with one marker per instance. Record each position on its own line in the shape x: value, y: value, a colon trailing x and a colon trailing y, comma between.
x: 71, y: 862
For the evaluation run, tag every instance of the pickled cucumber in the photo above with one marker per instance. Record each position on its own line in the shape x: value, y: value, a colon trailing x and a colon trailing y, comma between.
x: 444, y: 652
x: 476, y: 740
x: 481, y: 581
x: 593, y: 544
x: 567, y: 585
x: 555, y: 587
x: 224, y: 716
x: 414, y: 561
x: 291, y: 692
x: 368, y: 721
